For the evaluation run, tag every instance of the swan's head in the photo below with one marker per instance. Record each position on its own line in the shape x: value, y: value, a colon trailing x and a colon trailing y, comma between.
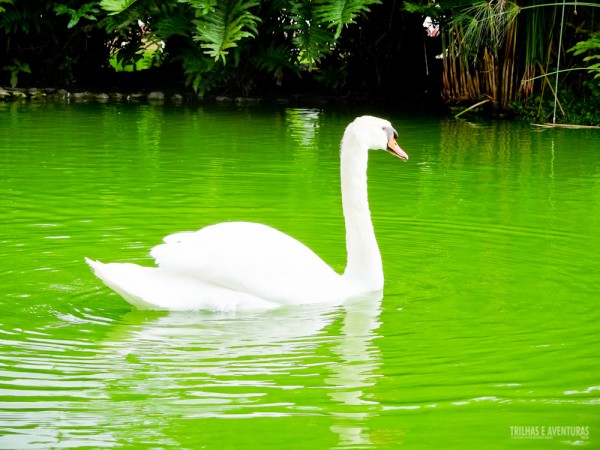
x: 377, y: 134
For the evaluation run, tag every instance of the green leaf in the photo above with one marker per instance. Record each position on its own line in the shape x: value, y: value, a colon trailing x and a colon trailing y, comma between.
x: 87, y: 11
x: 221, y: 30
x: 9, y: 2
x: 426, y: 9
x: 171, y: 25
x: 275, y: 59
x: 197, y: 69
x: 116, y: 6
x: 338, y: 13
x: 312, y: 39
x: 202, y: 6
x: 590, y: 45
x: 14, y: 69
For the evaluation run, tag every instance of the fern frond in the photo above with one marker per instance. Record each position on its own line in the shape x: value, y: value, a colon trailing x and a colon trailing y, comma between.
x: 221, y: 30
x: 116, y: 6
x: 312, y: 39
x: 10, y: 2
x: 202, y: 73
x: 338, y: 13
x: 87, y: 11
x: 274, y: 59
x: 202, y: 6
x: 427, y: 9
x: 171, y: 25
x: 123, y: 24
x: 592, y: 44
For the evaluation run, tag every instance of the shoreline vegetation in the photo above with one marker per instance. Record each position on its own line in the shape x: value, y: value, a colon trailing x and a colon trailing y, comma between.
x: 525, y: 59
x: 9, y: 94
x: 179, y: 96
x: 174, y: 97
x: 182, y: 96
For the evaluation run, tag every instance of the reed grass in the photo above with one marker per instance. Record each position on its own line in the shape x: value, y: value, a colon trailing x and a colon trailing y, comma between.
x: 496, y: 49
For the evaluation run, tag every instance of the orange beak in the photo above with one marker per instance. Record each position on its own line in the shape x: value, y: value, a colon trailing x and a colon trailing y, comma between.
x: 395, y: 149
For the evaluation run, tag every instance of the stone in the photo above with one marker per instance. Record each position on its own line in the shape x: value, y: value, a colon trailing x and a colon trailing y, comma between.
x: 156, y: 96
x: 62, y: 94
x: 18, y: 94
x: 246, y: 100
x: 82, y: 96
x: 135, y: 97
x: 36, y: 94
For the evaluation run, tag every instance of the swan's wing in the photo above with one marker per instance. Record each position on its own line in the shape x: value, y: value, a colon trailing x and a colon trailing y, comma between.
x: 160, y: 289
x: 251, y: 258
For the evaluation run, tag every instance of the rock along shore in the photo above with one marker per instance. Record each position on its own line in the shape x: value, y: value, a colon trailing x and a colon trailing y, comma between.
x: 62, y: 95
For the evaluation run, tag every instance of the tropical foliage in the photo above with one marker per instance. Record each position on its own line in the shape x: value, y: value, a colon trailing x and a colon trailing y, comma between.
x: 498, y: 52
x: 504, y: 51
x: 214, y: 42
x: 591, y: 47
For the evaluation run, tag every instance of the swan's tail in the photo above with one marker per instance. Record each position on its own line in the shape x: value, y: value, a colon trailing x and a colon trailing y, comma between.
x: 127, y: 280
x: 160, y: 289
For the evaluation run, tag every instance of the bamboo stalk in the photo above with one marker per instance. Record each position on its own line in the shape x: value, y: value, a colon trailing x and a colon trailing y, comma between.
x: 552, y: 90
x: 566, y: 125
x: 562, y: 22
x: 471, y: 107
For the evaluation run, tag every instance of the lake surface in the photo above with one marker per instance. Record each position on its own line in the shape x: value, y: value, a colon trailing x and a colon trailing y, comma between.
x: 487, y: 335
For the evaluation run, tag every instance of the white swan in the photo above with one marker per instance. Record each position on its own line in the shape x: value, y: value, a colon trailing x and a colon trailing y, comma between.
x: 241, y: 265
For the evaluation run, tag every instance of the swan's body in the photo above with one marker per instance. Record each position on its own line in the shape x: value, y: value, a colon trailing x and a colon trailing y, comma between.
x: 241, y: 265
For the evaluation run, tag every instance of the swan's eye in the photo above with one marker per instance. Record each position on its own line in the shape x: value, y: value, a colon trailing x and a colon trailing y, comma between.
x: 388, y: 132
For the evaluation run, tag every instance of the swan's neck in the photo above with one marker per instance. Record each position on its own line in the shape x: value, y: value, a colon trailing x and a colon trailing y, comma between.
x: 364, y: 268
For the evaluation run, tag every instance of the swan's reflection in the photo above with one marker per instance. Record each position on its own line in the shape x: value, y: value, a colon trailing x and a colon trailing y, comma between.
x: 275, y: 363
x: 360, y: 361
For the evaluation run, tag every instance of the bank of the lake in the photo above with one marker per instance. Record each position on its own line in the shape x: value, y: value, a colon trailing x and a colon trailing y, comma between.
x: 577, y: 110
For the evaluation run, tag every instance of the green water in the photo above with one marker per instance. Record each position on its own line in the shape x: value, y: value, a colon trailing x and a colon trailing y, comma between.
x: 486, y: 337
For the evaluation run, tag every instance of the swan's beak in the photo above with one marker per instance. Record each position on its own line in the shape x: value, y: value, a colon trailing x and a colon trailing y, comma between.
x: 395, y: 149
